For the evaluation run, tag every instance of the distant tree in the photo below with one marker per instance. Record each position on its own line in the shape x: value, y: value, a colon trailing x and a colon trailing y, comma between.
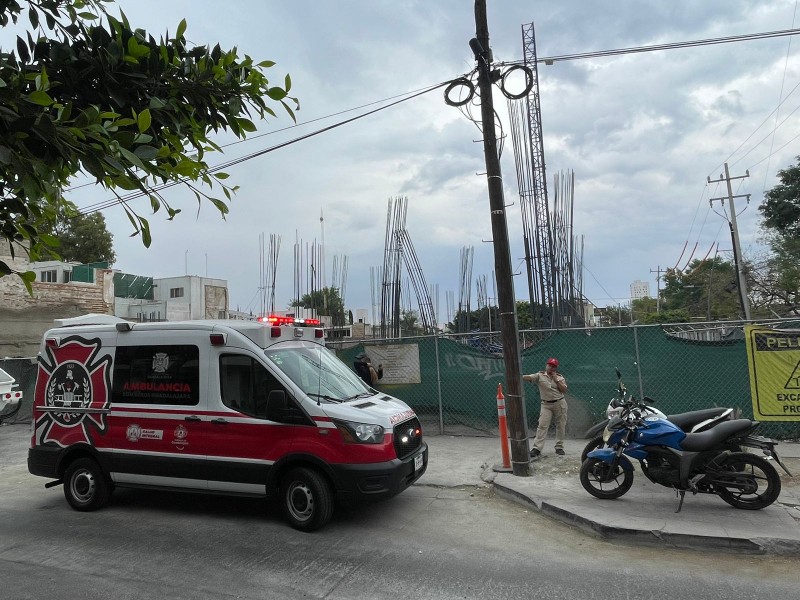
x: 668, y: 316
x: 85, y: 92
x: 775, y: 280
x: 408, y: 322
x: 324, y: 302
x: 84, y: 239
x: 641, y: 307
x: 707, y: 289
x: 781, y: 206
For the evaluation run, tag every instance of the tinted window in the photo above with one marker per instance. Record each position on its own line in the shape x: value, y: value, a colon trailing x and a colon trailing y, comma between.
x: 157, y: 375
x: 245, y: 386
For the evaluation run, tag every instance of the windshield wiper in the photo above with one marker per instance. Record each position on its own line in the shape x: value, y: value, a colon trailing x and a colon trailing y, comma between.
x: 325, y: 397
x: 361, y: 395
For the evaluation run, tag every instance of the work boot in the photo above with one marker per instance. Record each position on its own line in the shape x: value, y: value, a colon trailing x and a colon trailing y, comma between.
x: 535, y: 453
x: 560, y: 451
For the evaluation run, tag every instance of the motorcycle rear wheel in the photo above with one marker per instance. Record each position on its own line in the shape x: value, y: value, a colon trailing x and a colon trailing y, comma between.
x: 603, y: 481
x: 748, y: 481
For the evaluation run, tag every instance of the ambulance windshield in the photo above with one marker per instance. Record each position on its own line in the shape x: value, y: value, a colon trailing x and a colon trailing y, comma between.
x: 318, y: 372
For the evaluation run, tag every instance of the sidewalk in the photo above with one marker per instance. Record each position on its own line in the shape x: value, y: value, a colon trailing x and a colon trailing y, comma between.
x: 645, y: 515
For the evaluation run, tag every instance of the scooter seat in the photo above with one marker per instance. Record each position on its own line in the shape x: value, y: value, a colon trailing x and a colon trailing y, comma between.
x: 697, y: 442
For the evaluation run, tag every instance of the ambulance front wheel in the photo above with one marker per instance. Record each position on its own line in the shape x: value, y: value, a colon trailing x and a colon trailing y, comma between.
x: 85, y: 486
x: 306, y: 499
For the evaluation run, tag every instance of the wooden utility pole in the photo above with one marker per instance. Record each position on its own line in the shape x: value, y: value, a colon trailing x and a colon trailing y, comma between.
x: 515, y: 405
x: 737, y: 250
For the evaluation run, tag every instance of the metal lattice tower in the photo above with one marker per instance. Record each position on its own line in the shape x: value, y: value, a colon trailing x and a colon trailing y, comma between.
x: 549, y: 247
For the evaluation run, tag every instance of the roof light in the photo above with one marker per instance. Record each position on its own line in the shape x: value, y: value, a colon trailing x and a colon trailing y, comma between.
x: 217, y: 339
x: 318, y: 333
x: 275, y: 331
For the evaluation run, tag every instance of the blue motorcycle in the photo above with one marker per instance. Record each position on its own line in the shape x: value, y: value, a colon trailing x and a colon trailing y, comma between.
x: 700, y: 463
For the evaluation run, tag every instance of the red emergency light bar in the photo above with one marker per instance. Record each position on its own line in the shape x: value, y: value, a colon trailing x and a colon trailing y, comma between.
x: 277, y: 320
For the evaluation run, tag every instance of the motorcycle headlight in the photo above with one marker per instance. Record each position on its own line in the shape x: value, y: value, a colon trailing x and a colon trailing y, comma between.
x: 360, y: 433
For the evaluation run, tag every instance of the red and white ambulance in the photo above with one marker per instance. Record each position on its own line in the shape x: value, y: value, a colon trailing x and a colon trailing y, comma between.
x: 232, y: 407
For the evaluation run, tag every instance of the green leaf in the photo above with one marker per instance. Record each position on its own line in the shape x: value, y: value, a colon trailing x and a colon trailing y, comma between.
x: 287, y: 83
x: 276, y: 93
x: 181, y: 29
x: 39, y: 97
x: 221, y: 206
x: 131, y: 157
x: 266, y: 64
x: 146, y: 237
x: 246, y: 124
x: 144, y: 120
x: 154, y: 203
x: 221, y: 176
x: 146, y: 152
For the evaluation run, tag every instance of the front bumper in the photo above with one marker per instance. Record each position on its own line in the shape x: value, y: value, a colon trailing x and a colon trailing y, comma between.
x: 377, y: 481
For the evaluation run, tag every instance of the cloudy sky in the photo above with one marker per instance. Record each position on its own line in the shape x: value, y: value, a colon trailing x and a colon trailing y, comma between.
x: 642, y: 133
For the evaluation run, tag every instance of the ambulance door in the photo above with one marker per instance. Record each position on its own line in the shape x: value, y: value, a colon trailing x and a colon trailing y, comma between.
x: 243, y: 444
x: 159, y: 421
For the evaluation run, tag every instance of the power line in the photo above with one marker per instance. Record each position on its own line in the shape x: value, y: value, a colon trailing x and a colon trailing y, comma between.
x: 549, y: 60
x: 155, y: 189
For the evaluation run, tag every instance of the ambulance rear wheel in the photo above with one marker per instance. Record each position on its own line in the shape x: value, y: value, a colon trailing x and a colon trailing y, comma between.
x: 306, y: 499
x: 85, y: 486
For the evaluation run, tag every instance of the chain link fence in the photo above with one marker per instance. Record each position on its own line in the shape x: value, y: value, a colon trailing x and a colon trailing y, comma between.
x: 451, y: 380
x: 681, y: 367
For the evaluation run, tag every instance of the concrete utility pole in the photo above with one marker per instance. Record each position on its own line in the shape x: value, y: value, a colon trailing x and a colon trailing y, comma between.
x: 737, y: 250
x: 515, y: 405
x: 658, y: 273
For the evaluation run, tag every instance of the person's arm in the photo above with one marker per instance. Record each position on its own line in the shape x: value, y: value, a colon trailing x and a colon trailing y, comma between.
x: 533, y: 377
x: 561, y: 383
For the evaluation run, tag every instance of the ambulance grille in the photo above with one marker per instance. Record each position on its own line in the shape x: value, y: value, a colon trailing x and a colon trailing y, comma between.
x: 406, y: 438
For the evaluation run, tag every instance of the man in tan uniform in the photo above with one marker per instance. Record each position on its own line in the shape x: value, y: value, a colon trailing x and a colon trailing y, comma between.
x: 552, y: 387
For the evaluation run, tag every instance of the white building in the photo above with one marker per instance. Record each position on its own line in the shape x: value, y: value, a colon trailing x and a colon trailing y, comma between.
x: 178, y: 299
x: 640, y: 289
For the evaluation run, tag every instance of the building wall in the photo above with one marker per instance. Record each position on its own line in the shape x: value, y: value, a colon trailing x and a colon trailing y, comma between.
x: 24, y: 317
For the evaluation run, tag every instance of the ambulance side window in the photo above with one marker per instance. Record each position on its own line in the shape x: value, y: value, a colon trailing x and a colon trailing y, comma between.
x: 156, y: 375
x: 245, y: 386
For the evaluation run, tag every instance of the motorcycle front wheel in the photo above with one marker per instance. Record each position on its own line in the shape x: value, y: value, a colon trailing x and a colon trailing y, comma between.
x: 747, y: 481
x: 603, y: 480
x: 594, y: 444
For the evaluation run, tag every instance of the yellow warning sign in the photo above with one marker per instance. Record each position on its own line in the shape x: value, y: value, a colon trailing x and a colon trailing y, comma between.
x: 773, y: 358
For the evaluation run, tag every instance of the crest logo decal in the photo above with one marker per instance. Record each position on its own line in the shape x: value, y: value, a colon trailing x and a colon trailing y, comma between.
x: 74, y: 378
x: 160, y: 362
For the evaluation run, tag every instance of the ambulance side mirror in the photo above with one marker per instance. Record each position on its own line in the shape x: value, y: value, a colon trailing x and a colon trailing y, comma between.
x: 276, y: 406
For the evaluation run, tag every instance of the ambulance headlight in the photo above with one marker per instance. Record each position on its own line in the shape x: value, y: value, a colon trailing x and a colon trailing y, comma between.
x: 360, y: 433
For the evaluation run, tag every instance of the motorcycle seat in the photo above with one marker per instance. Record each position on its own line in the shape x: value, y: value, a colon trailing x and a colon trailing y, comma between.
x: 697, y: 442
x: 688, y: 420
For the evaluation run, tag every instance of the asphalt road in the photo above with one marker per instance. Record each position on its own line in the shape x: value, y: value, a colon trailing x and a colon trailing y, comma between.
x: 429, y: 542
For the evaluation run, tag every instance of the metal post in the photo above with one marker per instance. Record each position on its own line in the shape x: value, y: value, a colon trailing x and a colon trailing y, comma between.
x: 439, y: 383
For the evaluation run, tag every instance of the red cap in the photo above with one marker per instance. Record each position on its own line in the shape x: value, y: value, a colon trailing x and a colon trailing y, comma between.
x: 552, y: 361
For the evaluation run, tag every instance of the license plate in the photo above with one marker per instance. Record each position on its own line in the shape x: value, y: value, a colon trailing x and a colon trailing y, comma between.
x: 418, y: 462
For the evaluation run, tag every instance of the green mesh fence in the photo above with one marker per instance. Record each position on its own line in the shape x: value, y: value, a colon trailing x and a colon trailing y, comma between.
x: 681, y: 367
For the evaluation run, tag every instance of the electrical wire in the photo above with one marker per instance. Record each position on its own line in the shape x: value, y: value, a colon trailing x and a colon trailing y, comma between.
x: 549, y: 60
x: 154, y: 189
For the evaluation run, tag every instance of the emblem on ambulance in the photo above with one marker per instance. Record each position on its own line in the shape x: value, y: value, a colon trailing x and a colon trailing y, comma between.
x: 133, y: 433
x: 72, y: 388
x: 160, y: 362
x: 181, y: 434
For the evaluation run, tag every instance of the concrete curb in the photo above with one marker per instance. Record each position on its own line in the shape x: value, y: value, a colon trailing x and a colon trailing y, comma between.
x: 738, y: 545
